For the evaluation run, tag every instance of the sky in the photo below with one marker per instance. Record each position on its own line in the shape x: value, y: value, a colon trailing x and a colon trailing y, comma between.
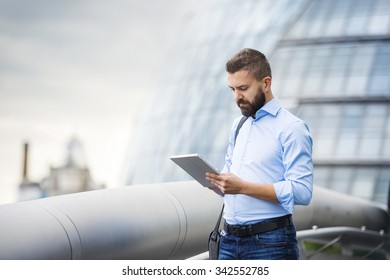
x: 82, y: 69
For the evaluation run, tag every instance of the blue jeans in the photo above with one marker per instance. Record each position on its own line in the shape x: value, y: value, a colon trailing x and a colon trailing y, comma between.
x: 279, y: 244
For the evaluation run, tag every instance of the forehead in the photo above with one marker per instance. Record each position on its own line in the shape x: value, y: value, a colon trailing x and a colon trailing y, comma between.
x: 240, y: 78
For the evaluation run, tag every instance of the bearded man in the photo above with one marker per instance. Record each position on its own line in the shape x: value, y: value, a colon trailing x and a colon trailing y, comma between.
x: 268, y: 167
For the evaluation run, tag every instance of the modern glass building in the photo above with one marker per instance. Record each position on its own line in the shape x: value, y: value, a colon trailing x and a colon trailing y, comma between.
x: 331, y: 67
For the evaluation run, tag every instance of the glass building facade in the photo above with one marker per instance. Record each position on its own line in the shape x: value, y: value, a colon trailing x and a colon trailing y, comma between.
x: 331, y: 67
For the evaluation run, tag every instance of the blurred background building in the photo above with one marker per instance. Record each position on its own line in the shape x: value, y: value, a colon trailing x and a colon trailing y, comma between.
x: 72, y: 177
x: 331, y: 66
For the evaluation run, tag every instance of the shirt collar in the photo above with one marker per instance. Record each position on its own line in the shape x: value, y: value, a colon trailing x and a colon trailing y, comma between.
x: 271, y: 107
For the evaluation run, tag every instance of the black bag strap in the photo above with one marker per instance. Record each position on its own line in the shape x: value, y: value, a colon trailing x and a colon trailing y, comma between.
x: 241, y: 122
x: 243, y: 119
x: 217, y: 225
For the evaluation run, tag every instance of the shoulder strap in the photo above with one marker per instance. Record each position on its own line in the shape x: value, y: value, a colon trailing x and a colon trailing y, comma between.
x: 217, y: 225
x: 243, y: 119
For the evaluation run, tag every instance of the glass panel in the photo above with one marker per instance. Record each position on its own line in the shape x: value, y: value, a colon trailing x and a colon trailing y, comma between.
x: 335, y: 26
x: 318, y: 59
x: 341, y: 8
x: 347, y: 145
x: 372, y: 133
x: 291, y: 87
x: 379, y: 85
x: 382, y: 188
x: 379, y: 25
x: 324, y: 146
x: 341, y: 179
x: 315, y: 27
x: 370, y: 147
x: 383, y: 60
x: 312, y: 84
x: 357, y: 25
x: 361, y: 7
x: 377, y: 111
x: 353, y: 118
x: 373, y: 124
x: 350, y: 127
x: 298, y: 30
x: 364, y: 182
x: 298, y: 66
x: 362, y: 60
x: 333, y: 85
x: 310, y: 115
x: 356, y: 85
x: 338, y: 63
x: 385, y: 153
x: 327, y: 131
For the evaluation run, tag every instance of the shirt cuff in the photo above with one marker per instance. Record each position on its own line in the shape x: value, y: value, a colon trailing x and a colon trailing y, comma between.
x: 284, y: 194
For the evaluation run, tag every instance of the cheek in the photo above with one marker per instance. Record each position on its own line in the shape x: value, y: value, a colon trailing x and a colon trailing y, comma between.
x: 251, y: 97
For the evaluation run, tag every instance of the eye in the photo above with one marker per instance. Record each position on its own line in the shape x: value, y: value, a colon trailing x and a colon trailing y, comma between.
x: 243, y: 88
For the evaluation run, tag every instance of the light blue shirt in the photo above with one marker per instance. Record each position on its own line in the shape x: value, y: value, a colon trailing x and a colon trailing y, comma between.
x: 274, y: 148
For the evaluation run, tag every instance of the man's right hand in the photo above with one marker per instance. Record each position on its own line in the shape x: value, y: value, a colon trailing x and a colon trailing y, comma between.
x: 215, y: 188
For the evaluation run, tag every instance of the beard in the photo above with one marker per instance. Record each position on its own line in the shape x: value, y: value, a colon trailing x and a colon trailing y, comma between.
x: 250, y: 108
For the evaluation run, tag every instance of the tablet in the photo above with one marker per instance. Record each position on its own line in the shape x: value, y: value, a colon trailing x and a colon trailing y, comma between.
x: 195, y: 166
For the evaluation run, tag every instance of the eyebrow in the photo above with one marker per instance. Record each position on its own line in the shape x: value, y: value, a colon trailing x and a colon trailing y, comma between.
x: 240, y: 86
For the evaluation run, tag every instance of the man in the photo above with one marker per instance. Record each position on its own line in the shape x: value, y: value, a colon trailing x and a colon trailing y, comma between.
x: 268, y: 167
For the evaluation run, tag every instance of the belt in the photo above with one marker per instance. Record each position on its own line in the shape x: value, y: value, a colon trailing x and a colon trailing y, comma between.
x: 248, y: 230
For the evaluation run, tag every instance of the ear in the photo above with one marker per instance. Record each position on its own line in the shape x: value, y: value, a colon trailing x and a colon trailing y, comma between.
x: 267, y: 81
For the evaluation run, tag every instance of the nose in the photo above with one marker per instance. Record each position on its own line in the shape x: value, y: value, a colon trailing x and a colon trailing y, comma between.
x: 238, y: 95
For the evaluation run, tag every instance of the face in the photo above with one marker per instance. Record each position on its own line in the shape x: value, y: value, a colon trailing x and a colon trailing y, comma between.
x: 248, y: 92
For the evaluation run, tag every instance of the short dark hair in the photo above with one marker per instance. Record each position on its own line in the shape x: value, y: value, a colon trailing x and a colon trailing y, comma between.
x: 250, y: 60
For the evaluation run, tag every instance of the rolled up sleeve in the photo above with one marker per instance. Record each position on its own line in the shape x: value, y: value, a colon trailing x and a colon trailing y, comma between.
x: 297, y: 185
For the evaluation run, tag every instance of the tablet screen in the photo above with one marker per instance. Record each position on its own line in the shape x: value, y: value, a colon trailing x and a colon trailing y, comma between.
x: 196, y: 167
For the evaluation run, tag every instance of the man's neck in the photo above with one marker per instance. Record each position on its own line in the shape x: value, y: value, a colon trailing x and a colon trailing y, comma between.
x: 268, y: 96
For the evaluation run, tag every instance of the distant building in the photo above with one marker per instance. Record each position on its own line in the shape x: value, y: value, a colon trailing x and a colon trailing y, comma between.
x: 74, y: 176
x: 27, y: 188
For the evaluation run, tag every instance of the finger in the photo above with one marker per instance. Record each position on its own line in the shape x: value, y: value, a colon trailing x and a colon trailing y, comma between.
x: 211, y: 175
x: 212, y: 179
x: 215, y: 183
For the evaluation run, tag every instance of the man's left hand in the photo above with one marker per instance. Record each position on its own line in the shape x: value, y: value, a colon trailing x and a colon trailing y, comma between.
x: 228, y: 183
